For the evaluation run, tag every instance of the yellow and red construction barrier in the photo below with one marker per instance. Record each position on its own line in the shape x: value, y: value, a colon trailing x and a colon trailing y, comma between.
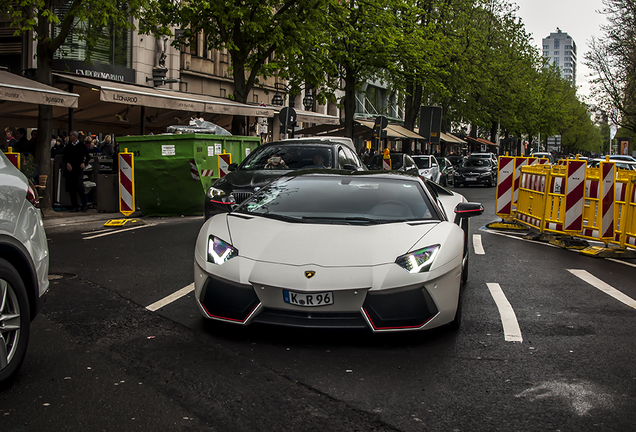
x: 568, y: 198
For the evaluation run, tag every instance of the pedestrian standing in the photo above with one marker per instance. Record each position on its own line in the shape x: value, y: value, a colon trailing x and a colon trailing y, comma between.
x: 75, y: 157
x: 58, y: 148
x: 8, y: 141
x: 107, y: 146
x: 22, y: 144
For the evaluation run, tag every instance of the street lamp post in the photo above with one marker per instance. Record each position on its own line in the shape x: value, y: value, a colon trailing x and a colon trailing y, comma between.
x: 277, y: 100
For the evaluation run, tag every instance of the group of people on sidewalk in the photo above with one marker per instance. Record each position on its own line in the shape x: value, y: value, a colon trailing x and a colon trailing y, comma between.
x: 75, y: 149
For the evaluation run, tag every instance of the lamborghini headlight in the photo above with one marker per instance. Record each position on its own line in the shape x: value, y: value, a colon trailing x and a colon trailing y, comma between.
x: 418, y: 261
x: 220, y: 251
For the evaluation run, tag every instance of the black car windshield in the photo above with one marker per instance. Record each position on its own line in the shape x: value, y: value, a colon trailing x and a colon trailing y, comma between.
x: 422, y: 162
x: 342, y: 199
x: 476, y: 162
x: 289, y: 157
x: 376, y: 162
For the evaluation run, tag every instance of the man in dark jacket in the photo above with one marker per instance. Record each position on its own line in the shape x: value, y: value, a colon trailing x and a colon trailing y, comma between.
x: 75, y: 157
x: 22, y: 144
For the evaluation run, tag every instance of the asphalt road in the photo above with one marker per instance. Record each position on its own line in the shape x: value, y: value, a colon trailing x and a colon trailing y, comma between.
x: 546, y: 344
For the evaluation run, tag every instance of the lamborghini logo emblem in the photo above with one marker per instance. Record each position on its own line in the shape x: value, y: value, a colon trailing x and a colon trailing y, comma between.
x: 309, y: 274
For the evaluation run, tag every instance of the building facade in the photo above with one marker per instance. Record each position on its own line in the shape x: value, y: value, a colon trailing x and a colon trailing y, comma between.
x: 561, y: 49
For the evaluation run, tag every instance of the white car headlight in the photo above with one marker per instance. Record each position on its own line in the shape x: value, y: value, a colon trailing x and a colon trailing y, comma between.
x: 216, y: 193
x: 220, y: 251
x: 418, y: 261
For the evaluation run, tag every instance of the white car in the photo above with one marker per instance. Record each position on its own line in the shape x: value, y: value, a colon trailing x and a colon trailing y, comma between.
x: 428, y: 167
x: 362, y: 250
x: 624, y: 158
x: 24, y: 266
x: 543, y: 155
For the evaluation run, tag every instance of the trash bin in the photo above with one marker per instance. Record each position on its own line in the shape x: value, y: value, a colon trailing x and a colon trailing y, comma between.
x: 107, y: 193
x: 173, y: 172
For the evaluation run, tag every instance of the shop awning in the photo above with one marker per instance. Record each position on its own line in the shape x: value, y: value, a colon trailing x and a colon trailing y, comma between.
x: 316, y: 118
x: 451, y: 139
x: 151, y: 97
x: 16, y: 88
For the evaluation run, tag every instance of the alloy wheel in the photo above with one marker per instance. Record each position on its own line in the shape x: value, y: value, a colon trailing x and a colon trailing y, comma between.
x: 9, y: 323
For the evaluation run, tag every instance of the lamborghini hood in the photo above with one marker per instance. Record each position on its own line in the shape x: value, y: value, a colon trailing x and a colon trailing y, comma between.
x: 327, y: 245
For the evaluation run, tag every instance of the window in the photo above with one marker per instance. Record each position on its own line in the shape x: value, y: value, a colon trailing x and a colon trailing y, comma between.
x: 112, y: 46
x: 567, y: 53
x: 546, y: 47
x: 194, y: 45
x: 567, y: 47
x: 556, y: 61
x: 568, y: 59
x: 556, y: 43
x: 567, y: 64
x: 546, y: 53
x: 556, y: 53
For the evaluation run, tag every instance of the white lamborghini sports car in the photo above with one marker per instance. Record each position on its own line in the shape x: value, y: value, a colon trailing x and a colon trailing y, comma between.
x: 337, y: 249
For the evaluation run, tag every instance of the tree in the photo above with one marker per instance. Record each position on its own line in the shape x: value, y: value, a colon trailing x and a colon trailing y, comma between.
x: 80, y: 16
x: 612, y: 59
x: 259, y: 36
x: 357, y: 43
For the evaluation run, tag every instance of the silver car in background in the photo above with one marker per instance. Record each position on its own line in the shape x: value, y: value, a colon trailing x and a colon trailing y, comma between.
x: 24, y: 266
x: 428, y: 167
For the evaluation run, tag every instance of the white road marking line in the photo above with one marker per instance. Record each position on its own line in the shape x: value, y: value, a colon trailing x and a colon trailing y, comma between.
x: 518, y: 237
x: 101, y: 231
x: 115, y: 232
x: 548, y: 244
x: 172, y: 297
x: 479, y: 247
x: 606, y: 288
x: 621, y: 262
x: 512, y: 332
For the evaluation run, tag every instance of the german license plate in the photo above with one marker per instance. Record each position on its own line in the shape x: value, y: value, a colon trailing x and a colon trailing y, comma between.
x: 313, y: 299
x: 471, y: 178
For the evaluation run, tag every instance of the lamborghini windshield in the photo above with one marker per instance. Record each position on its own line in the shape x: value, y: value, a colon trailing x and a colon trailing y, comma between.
x: 343, y: 199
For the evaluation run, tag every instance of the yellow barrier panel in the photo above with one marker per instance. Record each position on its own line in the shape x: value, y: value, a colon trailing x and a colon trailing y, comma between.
x: 598, y: 211
x: 531, y: 201
x: 555, y: 200
x: 628, y: 236
x: 621, y: 206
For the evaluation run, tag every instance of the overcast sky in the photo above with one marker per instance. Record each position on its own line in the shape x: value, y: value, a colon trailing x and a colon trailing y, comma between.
x: 578, y: 18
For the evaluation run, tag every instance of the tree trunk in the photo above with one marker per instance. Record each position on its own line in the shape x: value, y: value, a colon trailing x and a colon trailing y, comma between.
x: 493, y: 132
x: 45, y: 112
x: 240, y: 93
x: 412, y: 105
x: 349, y: 104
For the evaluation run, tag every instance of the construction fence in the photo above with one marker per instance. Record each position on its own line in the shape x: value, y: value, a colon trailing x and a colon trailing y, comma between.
x: 569, y: 199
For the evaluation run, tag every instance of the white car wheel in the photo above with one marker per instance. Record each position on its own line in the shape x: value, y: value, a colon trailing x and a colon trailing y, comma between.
x: 14, y: 321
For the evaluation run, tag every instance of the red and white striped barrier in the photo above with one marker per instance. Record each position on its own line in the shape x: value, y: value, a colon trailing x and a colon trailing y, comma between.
x: 225, y: 159
x: 126, y: 184
x: 505, y: 186
x: 607, y: 201
x: 519, y: 162
x: 574, y: 195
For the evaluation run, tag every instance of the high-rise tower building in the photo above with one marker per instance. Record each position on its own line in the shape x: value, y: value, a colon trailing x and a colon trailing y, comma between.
x: 561, y: 49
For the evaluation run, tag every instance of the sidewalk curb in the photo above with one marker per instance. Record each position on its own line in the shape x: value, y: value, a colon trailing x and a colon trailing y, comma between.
x: 52, y: 219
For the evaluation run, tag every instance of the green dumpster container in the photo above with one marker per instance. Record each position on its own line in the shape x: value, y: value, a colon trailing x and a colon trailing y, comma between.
x: 173, y: 172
